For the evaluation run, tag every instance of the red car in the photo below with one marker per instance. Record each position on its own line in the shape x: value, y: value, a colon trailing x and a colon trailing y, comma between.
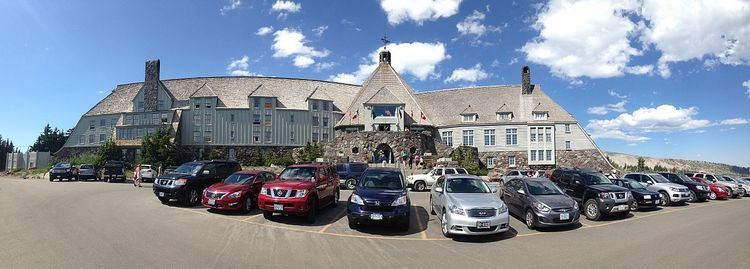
x: 717, y: 191
x: 238, y: 191
x: 300, y: 190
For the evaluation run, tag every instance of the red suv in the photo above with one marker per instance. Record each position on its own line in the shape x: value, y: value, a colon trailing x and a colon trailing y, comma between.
x: 239, y: 191
x: 300, y: 190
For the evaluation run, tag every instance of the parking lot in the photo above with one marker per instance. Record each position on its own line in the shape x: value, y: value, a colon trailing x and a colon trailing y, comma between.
x: 99, y: 225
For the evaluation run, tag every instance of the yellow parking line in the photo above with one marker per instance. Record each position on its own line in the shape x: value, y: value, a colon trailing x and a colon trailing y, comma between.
x: 422, y: 230
x: 252, y: 217
x: 338, y: 217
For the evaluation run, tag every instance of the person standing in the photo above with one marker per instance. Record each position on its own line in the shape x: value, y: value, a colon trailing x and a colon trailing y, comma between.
x: 411, y: 161
x: 137, y: 176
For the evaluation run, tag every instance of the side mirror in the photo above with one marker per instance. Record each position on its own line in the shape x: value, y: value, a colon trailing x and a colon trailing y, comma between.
x: 577, y: 182
x: 494, y: 190
x: 206, y: 172
x: 521, y: 192
x: 439, y: 189
x: 650, y: 182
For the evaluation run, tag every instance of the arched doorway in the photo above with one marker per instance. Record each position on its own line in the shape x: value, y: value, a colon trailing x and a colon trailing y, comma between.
x: 383, y: 152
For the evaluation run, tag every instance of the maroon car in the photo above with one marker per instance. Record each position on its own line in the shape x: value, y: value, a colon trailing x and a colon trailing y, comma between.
x: 239, y: 191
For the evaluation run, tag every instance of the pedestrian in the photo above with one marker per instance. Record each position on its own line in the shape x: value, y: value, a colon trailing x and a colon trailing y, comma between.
x: 411, y: 161
x: 417, y: 159
x: 137, y: 176
x: 404, y: 158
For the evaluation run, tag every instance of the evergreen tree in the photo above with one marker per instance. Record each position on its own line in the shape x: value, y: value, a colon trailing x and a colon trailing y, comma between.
x: 158, y: 149
x: 6, y: 146
x: 641, y: 164
x: 109, y: 151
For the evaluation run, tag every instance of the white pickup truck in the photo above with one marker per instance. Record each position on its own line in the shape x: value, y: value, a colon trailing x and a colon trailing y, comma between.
x: 421, y: 182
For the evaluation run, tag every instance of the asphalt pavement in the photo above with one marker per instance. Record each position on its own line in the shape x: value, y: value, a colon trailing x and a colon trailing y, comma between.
x: 110, y: 225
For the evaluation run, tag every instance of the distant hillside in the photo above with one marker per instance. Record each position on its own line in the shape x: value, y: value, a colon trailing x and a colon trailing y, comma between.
x: 621, y: 159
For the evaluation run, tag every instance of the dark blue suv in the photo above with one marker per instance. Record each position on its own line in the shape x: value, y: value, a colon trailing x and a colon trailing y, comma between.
x: 349, y: 173
x: 380, y: 197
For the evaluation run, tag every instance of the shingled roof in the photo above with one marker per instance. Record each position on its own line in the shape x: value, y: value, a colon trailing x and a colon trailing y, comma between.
x: 234, y: 91
x: 444, y: 107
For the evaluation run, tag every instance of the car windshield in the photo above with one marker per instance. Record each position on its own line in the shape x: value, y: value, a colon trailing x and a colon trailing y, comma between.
x: 685, y: 178
x: 720, y: 178
x: 62, y: 165
x: 659, y: 178
x: 298, y: 173
x: 632, y: 184
x: 86, y: 166
x: 189, y: 168
x: 239, y: 179
x: 542, y: 188
x: 466, y: 185
x: 596, y: 179
x: 387, y: 180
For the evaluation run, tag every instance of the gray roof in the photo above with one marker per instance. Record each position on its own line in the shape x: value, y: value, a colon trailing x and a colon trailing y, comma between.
x: 204, y: 91
x: 444, y: 107
x: 384, y: 96
x: 234, y: 91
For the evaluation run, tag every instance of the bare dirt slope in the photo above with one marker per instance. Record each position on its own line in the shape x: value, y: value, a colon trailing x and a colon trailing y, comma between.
x: 622, y: 159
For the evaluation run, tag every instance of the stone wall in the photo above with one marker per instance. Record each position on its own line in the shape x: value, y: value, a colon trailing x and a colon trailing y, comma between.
x: 575, y: 158
x: 243, y: 154
x: 361, y: 146
x: 583, y: 159
x: 67, y: 153
x: 151, y: 86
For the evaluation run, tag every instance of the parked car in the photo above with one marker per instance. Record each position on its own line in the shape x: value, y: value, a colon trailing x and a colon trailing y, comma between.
x: 190, y: 179
x: 595, y: 193
x: 349, y: 173
x: 300, y: 190
x: 87, y: 171
x: 63, y: 170
x: 513, y: 174
x: 734, y: 190
x: 744, y: 185
x: 698, y: 191
x: 168, y: 170
x: 644, y: 198
x: 239, y: 191
x: 466, y: 205
x: 421, y: 182
x: 380, y: 197
x: 671, y: 193
x: 113, y: 171
x: 717, y: 192
x: 540, y: 203
x: 745, y: 181
x: 147, y: 173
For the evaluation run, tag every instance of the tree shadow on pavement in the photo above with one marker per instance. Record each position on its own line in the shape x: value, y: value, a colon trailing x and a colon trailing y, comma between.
x: 325, y: 216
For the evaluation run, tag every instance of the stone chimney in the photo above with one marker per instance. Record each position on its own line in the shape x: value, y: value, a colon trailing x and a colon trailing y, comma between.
x: 151, y: 86
x: 526, y: 87
x: 385, y: 57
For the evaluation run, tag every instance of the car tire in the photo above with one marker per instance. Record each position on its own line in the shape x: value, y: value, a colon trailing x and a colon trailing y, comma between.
x: 712, y: 196
x: 419, y: 186
x: 50, y: 180
x: 444, y: 225
x: 591, y: 210
x: 352, y: 224
x: 267, y: 215
x: 163, y: 200
x: 693, y: 197
x: 310, y: 217
x: 249, y: 205
x: 665, y: 200
x: 192, y: 197
x: 336, y: 197
x: 634, y: 206
x: 530, y: 219
x: 350, y: 184
x: 730, y: 193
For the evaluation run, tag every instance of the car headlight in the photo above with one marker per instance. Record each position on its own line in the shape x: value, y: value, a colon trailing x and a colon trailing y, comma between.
x: 674, y: 189
x: 301, y: 193
x: 205, y: 191
x: 456, y: 210
x: 400, y: 201
x: 541, y: 207
x: 235, y: 195
x: 575, y: 205
x: 630, y: 195
x: 502, y: 209
x: 357, y: 200
x: 180, y: 182
x: 263, y: 191
x: 605, y: 195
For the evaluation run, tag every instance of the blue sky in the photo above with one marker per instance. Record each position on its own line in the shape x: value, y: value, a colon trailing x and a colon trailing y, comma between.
x: 653, y: 78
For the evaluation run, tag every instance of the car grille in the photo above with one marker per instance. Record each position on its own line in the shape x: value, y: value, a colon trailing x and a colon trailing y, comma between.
x: 482, y: 212
x: 620, y: 195
x: 475, y: 229
x: 214, y: 195
x: 165, y: 182
x: 567, y: 209
x: 377, y: 206
x: 683, y: 190
x: 281, y: 193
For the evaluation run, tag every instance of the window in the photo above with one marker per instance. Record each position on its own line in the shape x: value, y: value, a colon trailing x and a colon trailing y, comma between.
x: 160, y: 104
x: 232, y: 131
x: 267, y: 136
x: 548, y: 134
x: 549, y: 155
x: 208, y: 136
x: 511, y: 161
x: 315, y: 121
x: 490, y: 162
x: 468, y: 136
x: 567, y: 145
x: 92, y: 124
x: 112, y: 122
x: 268, y: 119
x: 315, y: 105
x: 489, y: 137
x: 196, y: 136
x: 532, y: 155
x: 268, y: 104
x: 291, y: 136
x: 256, y: 137
x: 315, y: 137
x: 291, y: 118
x: 567, y: 128
x: 197, y: 119
x: 197, y: 106
x: 128, y: 120
x: 102, y: 123
x: 155, y: 119
x: 164, y: 118
x: 384, y: 111
x: 325, y: 106
x: 91, y: 139
x: 540, y: 115
x: 82, y: 139
x: 102, y: 138
x: 325, y: 121
x: 145, y: 119
x: 208, y: 104
x: 208, y: 118
x: 140, y: 105
x: 511, y: 136
x: 469, y: 118
x: 450, y: 172
x: 231, y: 117
x: 256, y: 103
x: 256, y: 118
x: 325, y: 137
x: 150, y: 131
x: 139, y: 133
x: 532, y: 134
x: 504, y: 116
x: 448, y: 138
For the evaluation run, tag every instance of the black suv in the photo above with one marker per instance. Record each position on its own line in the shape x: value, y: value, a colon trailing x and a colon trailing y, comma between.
x: 113, y: 171
x: 699, y: 192
x: 593, y: 191
x: 188, y: 181
x: 349, y: 173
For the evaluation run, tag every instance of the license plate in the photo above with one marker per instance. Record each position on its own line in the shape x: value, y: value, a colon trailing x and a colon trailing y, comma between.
x: 483, y: 224
x: 161, y: 194
x: 211, y: 202
x: 647, y: 202
x: 564, y: 216
x: 376, y: 216
x: 647, y: 197
x: 619, y: 208
x: 278, y: 207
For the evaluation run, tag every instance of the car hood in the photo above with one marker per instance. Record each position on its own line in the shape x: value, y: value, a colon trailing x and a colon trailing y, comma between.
x: 176, y: 176
x: 555, y: 201
x: 643, y: 192
x: 289, y: 184
x: 608, y: 188
x: 686, y: 183
x: 379, y: 194
x: 226, y: 188
x: 470, y: 200
x: 668, y: 185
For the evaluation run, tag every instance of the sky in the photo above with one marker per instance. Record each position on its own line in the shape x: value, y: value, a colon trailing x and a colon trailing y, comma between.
x: 661, y: 78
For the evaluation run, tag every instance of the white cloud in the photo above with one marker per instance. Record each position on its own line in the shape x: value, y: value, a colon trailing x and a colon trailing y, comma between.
x: 292, y: 43
x: 472, y: 25
x: 320, y: 30
x: 284, y: 8
x: 735, y: 121
x: 513, y: 61
x: 605, y: 109
x: 264, y: 30
x: 233, y: 4
x: 616, y: 94
x: 417, y: 59
x: 639, y: 69
x: 324, y: 66
x: 746, y: 84
x: 240, y: 67
x: 686, y: 30
x: 399, y: 11
x: 633, y: 126
x: 472, y: 74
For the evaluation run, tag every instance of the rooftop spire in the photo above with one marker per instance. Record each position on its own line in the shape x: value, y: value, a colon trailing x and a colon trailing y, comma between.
x: 385, y: 55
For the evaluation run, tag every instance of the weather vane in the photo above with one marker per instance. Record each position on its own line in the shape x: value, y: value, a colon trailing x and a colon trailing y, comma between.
x: 385, y: 41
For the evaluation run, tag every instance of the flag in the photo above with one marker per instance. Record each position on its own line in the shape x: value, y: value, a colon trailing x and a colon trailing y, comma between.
x: 387, y: 112
x: 354, y: 117
x: 421, y: 115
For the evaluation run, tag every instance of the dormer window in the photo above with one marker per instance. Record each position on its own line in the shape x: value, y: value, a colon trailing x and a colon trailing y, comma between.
x: 469, y: 117
x: 504, y: 115
x: 540, y: 115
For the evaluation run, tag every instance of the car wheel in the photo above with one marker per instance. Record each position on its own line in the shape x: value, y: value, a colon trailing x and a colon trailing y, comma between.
x: 730, y: 194
x: 352, y: 224
x: 591, y: 209
x: 267, y: 215
x: 530, y: 220
x: 336, y: 196
x: 106, y: 180
x: 712, y: 195
x: 50, y: 180
x: 634, y: 206
x: 693, y: 197
x: 665, y: 201
x: 249, y: 205
x: 350, y: 184
x: 310, y: 218
x: 419, y: 186
x: 444, y: 225
x: 192, y: 197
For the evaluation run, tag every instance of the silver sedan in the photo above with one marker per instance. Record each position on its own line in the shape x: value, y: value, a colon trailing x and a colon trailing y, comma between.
x: 467, y: 206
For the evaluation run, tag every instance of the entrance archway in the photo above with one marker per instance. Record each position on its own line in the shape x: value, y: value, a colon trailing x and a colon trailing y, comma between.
x: 383, y: 152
